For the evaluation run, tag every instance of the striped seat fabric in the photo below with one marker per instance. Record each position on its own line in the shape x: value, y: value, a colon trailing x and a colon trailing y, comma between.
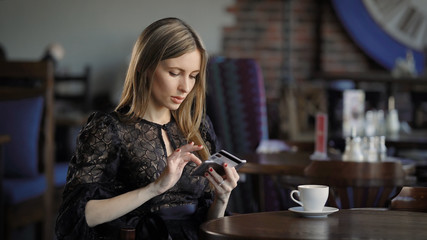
x: 236, y: 103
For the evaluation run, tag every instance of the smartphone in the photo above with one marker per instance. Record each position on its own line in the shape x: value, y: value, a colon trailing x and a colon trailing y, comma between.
x: 216, y: 161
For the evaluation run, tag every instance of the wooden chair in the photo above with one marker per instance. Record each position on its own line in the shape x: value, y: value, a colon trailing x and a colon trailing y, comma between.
x: 410, y: 199
x: 357, y: 184
x: 72, y: 106
x: 26, y: 103
x: 74, y: 89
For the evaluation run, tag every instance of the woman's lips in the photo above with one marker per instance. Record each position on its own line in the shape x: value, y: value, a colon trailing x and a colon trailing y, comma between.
x: 177, y: 100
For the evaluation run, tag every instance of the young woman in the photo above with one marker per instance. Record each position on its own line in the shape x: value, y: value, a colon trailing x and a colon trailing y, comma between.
x: 131, y: 167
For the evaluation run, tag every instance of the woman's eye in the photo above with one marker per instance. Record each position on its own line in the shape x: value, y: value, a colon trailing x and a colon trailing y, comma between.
x: 193, y: 77
x: 173, y: 74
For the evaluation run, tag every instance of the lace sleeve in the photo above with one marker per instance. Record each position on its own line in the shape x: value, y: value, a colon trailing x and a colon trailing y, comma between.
x: 96, y: 158
x: 91, y: 175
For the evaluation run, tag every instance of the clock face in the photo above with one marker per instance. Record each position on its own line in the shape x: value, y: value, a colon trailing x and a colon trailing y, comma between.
x: 405, y: 20
x: 386, y: 29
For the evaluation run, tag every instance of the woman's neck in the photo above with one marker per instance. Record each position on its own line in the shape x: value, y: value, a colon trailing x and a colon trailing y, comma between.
x: 159, y: 117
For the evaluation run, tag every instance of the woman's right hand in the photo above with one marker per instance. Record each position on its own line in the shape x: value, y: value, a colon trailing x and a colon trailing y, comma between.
x: 175, y: 166
x: 95, y: 211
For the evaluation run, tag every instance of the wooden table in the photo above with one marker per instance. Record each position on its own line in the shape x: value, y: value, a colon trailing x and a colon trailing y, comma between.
x: 290, y: 163
x: 344, y: 224
x: 287, y: 169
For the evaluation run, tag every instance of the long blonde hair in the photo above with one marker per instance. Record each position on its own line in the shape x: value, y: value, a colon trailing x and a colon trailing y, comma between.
x: 164, y: 39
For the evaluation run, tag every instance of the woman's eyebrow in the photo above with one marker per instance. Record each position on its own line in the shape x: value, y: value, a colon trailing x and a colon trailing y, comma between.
x: 183, y: 70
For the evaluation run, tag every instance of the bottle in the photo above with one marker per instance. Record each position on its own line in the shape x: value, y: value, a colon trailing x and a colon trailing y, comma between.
x: 372, y: 152
x: 392, y: 120
x: 370, y: 123
x: 380, y: 123
x: 382, y: 149
x: 365, y: 147
x: 356, y: 150
x: 347, y: 150
x: 353, y: 150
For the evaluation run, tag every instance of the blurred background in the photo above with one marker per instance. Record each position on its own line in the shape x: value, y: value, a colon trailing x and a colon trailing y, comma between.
x: 309, y: 52
x: 99, y: 34
x: 295, y: 42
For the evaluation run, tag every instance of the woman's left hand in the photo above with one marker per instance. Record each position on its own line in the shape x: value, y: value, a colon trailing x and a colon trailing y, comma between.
x: 223, y: 184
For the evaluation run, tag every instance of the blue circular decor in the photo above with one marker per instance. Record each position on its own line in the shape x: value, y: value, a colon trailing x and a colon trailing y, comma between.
x: 371, y: 38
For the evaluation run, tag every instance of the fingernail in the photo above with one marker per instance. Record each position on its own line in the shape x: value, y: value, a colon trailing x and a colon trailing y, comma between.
x: 211, y: 169
x: 225, y: 164
x: 206, y: 174
x: 178, y: 150
x: 192, y: 143
x: 200, y: 145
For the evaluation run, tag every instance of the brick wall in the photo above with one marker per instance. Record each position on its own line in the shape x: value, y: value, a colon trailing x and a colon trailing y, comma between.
x: 339, y: 52
x: 282, y: 36
x: 258, y: 34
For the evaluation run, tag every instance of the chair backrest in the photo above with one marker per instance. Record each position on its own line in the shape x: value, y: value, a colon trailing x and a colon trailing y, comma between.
x: 357, y: 184
x: 26, y: 98
x: 236, y: 103
x: 410, y: 199
x: 72, y: 90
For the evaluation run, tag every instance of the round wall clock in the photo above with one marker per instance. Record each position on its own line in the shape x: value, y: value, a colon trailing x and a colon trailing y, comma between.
x: 386, y: 30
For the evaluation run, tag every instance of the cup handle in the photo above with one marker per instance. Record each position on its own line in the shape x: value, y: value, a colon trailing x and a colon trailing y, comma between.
x: 292, y: 196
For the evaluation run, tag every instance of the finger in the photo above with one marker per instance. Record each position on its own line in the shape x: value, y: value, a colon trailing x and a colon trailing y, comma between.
x: 236, y: 174
x: 194, y: 158
x: 231, y: 175
x: 229, y: 171
x: 191, y: 147
x: 175, y: 154
x: 218, y: 178
x: 187, y: 147
x: 183, y: 162
x: 218, y: 185
x: 178, y: 157
x: 211, y: 179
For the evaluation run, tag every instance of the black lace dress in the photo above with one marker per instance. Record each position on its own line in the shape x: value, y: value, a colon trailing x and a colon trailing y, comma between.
x: 114, y: 156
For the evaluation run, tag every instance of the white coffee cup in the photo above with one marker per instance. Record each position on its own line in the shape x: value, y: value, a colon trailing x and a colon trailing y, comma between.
x: 312, y: 197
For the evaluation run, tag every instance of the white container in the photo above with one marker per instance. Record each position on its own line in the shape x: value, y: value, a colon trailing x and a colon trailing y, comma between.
x: 354, y: 151
x: 382, y: 149
x: 372, y: 152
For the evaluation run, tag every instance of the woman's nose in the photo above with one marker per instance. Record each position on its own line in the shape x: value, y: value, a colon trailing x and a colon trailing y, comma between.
x: 185, y: 84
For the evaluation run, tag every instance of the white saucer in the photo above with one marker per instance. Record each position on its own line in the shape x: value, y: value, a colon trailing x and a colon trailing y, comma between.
x: 325, y: 212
